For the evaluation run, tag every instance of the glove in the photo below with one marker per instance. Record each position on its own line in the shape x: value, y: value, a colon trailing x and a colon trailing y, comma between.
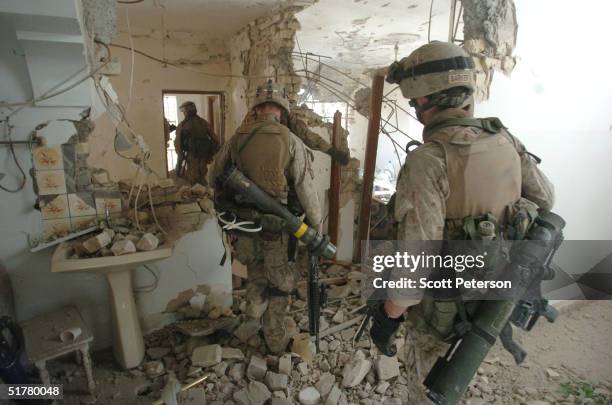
x: 383, y: 329
x: 339, y: 156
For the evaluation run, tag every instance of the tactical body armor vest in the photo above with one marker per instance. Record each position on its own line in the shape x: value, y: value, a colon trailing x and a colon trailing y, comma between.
x: 483, y: 167
x: 196, y: 139
x: 261, y: 152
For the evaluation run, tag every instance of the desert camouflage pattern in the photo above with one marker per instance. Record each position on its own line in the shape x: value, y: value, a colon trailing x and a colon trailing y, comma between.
x: 195, y: 169
x: 271, y: 278
x: 420, y: 209
x: 298, y: 127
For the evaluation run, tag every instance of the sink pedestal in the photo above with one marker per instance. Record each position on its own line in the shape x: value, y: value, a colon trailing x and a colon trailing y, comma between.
x: 128, y: 344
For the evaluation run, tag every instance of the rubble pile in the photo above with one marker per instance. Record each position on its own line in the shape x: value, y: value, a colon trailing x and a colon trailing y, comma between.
x: 177, y: 209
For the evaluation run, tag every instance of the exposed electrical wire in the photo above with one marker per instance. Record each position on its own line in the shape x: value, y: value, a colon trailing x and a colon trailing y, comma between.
x: 22, y: 183
x: 131, y: 87
x: 150, y: 287
x: 129, y: 1
x: 429, y: 24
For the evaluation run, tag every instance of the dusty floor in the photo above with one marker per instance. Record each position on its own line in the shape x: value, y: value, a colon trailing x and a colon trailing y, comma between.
x: 573, y: 350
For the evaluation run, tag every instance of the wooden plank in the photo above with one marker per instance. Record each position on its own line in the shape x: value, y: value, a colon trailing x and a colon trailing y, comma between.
x: 334, y: 184
x: 370, y: 162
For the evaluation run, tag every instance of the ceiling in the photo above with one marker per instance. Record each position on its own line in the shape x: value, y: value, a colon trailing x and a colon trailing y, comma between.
x: 210, y: 18
x: 360, y: 35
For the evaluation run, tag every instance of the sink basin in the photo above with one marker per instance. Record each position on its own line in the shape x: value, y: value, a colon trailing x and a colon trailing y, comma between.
x: 128, y: 344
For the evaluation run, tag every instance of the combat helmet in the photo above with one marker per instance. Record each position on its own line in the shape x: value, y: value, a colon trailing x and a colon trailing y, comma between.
x: 433, y: 68
x: 188, y: 107
x: 271, y: 93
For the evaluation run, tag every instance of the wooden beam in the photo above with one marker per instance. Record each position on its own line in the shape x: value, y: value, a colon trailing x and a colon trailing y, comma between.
x: 378, y: 83
x: 333, y: 218
x: 211, y: 112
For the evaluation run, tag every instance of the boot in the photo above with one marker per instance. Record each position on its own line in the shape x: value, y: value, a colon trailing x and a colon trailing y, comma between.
x: 383, y: 329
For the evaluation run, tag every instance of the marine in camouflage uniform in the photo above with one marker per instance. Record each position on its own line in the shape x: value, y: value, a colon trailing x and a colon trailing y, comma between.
x: 464, y: 168
x: 277, y: 161
x: 310, y: 138
x: 195, y: 144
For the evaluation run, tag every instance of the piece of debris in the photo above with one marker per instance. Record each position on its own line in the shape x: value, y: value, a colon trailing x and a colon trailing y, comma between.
x: 386, y: 367
x: 258, y: 393
x: 247, y: 329
x: 257, y: 368
x: 338, y: 291
x: 156, y: 353
x: 236, y: 371
x: 302, y: 347
x: 325, y: 383
x: 147, y: 242
x: 552, y: 374
x: 284, y: 364
x: 276, y: 381
x: 153, y: 368
x: 206, y: 356
x: 232, y: 353
x: 123, y: 247
x: 309, y: 396
x: 355, y: 370
x: 95, y: 243
x: 334, y: 396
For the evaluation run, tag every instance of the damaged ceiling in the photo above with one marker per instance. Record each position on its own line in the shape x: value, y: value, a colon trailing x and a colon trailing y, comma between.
x: 363, y: 35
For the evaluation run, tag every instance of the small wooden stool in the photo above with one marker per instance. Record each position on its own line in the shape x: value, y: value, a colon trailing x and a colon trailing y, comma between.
x: 43, y: 343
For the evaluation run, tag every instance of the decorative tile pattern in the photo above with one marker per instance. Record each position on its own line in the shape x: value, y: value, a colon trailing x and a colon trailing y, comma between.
x: 56, y: 228
x: 48, y: 158
x: 113, y: 205
x: 81, y: 204
x: 54, y: 206
x: 80, y: 223
x: 51, y: 182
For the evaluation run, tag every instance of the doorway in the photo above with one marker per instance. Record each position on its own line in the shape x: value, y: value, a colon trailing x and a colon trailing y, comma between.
x: 210, y: 106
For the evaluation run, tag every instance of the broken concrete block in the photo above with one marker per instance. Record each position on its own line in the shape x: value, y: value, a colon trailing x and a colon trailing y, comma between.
x: 334, y: 396
x: 334, y: 345
x: 156, y: 353
x: 284, y: 364
x: 338, y: 291
x: 153, y: 368
x: 257, y: 368
x: 325, y: 383
x: 276, y: 381
x: 93, y: 244
x: 247, y: 329
x: 280, y: 401
x: 258, y: 393
x: 338, y: 316
x: 309, y: 396
x: 241, y: 397
x: 197, y: 301
x: 382, y: 387
x: 110, y: 232
x: 303, y: 368
x: 123, y: 247
x: 147, y: 242
x: 206, y: 356
x: 236, y: 371
x: 386, y: 367
x: 215, y: 313
x: 220, y: 369
x: 355, y: 370
x: 232, y: 353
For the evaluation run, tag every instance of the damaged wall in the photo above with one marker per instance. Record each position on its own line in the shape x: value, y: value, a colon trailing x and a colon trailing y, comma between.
x: 262, y: 51
x: 489, y: 30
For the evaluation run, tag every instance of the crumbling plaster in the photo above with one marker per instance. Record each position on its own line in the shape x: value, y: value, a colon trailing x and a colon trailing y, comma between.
x: 489, y: 30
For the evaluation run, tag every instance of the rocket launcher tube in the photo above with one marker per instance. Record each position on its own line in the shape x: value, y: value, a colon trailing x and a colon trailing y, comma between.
x: 317, y: 243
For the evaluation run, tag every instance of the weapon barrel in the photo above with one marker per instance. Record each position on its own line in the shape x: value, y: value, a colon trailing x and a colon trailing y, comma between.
x: 316, y: 242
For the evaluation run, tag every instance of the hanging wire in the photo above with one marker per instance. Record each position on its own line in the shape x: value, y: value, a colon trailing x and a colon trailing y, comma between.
x: 8, y: 127
x: 429, y: 24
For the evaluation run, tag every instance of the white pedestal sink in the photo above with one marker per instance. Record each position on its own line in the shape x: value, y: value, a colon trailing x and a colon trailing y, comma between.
x: 128, y: 344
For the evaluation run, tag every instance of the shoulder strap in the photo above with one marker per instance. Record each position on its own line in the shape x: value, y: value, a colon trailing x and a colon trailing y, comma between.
x: 492, y: 125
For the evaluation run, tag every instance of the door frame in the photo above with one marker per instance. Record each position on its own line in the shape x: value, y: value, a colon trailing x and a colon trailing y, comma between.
x: 219, y: 131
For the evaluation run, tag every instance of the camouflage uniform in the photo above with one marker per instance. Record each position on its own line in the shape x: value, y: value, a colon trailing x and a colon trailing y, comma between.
x: 195, y: 168
x: 271, y: 278
x: 310, y: 138
x: 487, y: 176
